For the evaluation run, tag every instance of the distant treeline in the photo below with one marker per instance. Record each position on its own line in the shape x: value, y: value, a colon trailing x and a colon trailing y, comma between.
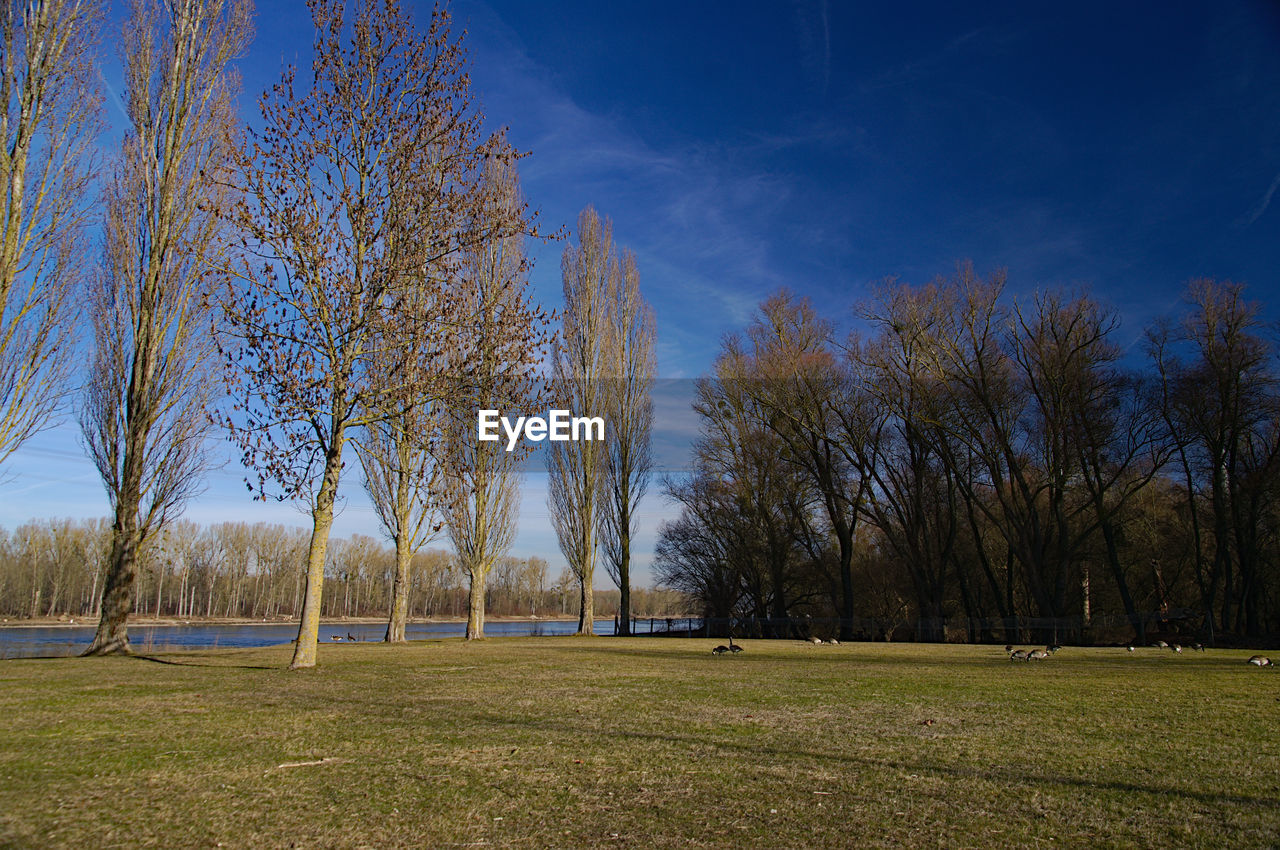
x: 975, y: 467
x: 51, y: 568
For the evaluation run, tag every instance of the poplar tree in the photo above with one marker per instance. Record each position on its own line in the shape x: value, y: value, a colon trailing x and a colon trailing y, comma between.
x: 145, y: 416
x: 579, y: 374
x: 48, y: 125
x: 628, y: 406
x: 503, y: 337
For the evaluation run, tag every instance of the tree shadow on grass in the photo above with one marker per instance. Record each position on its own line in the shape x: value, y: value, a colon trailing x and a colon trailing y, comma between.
x: 155, y: 659
x: 699, y: 646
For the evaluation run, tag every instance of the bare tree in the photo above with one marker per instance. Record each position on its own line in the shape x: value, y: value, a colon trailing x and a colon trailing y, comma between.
x: 1012, y: 396
x: 629, y: 346
x: 697, y: 553
x: 386, y: 135
x: 1112, y: 425
x: 915, y: 502
x: 806, y: 399
x: 766, y: 498
x: 399, y: 446
x: 579, y: 369
x: 145, y: 411
x: 400, y: 473
x: 1220, y: 400
x: 495, y: 358
x: 179, y: 542
x: 47, y: 131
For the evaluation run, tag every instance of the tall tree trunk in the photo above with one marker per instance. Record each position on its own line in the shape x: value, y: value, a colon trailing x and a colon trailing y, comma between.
x: 778, y: 615
x: 844, y: 537
x: 400, y: 590
x: 122, y: 568
x: 122, y: 574
x: 159, y: 587
x: 475, y: 603
x: 971, y: 613
x: 1122, y: 584
x: 304, y: 654
x: 624, y: 574
x: 586, y: 609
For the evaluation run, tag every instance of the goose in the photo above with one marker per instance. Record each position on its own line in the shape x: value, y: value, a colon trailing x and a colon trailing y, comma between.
x: 349, y: 637
x: 1018, y: 655
x: 1260, y: 661
x: 1177, y: 647
x: 1130, y: 648
x: 1052, y: 648
x: 720, y: 650
x: 1198, y: 647
x: 1038, y: 654
x: 833, y: 642
x: 335, y: 637
x: 733, y: 647
x: 1160, y: 645
x: 816, y: 641
x: 1008, y: 647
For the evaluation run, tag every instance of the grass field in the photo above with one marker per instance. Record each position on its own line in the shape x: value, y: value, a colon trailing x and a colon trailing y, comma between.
x: 571, y: 742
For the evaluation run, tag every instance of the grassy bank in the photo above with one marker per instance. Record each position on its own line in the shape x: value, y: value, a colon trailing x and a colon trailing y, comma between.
x: 571, y: 742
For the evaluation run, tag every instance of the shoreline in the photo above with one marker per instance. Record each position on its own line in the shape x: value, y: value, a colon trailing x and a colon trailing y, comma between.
x: 54, y: 622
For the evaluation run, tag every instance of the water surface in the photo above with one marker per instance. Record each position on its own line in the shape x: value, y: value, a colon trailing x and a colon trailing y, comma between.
x: 35, y: 641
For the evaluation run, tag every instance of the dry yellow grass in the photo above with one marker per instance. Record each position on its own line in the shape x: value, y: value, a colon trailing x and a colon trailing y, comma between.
x: 536, y: 742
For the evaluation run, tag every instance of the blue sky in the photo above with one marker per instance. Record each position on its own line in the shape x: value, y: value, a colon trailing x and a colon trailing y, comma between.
x: 740, y: 147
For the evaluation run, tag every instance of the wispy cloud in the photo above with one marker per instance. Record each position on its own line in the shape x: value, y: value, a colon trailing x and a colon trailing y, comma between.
x: 813, y: 31
x: 113, y: 95
x: 1263, y: 203
x: 938, y: 60
x: 699, y: 217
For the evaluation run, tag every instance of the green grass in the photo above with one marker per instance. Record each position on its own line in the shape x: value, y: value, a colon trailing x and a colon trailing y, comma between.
x: 538, y: 742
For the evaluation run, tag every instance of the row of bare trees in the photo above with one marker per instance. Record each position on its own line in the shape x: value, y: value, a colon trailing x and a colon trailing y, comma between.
x: 387, y: 282
x: 345, y: 274
x: 990, y: 464
x: 55, y: 568
x: 605, y: 365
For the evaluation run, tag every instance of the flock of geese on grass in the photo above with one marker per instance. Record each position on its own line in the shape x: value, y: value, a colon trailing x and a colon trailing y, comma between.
x: 1014, y: 654
x: 1031, y: 654
x: 1174, y: 647
x: 1040, y: 654
x: 722, y: 649
x: 734, y: 648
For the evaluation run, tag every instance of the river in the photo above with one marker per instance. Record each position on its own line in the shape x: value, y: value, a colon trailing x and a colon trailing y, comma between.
x: 38, y: 641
